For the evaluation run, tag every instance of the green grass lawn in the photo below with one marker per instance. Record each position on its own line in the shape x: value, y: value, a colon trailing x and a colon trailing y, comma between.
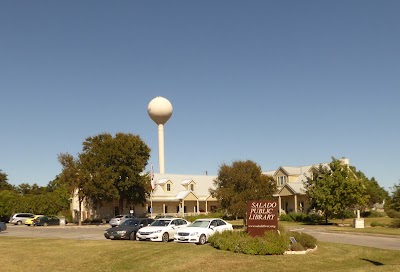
x: 28, y: 254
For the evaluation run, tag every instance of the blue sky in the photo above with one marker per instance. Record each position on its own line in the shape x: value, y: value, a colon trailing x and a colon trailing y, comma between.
x: 282, y: 83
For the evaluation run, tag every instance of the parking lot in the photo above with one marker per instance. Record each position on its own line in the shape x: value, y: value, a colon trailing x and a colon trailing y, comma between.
x: 87, y: 232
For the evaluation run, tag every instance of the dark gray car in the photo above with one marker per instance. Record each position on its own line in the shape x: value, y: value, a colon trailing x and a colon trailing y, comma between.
x: 3, y: 226
x: 127, y: 230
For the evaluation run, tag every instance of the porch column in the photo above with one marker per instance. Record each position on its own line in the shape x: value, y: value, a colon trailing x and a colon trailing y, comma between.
x: 295, y: 203
x: 183, y: 208
x: 163, y: 209
x: 206, y: 206
x: 198, y: 207
x: 280, y: 205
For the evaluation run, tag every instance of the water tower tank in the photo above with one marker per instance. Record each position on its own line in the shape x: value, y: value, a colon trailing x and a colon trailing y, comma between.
x: 160, y: 110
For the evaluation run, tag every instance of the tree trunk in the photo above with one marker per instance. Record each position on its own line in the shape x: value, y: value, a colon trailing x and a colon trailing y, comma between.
x: 121, y: 205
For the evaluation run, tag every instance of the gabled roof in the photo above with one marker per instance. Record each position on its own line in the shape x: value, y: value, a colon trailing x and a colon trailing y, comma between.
x: 187, y: 181
x: 301, y: 171
x: 162, y: 181
x: 295, y: 187
x: 180, y: 182
x: 182, y: 194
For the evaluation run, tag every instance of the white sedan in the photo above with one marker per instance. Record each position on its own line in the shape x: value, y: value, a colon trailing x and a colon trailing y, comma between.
x: 200, y: 230
x: 162, y: 229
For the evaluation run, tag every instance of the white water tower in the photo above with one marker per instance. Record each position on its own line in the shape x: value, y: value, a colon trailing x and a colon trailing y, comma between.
x: 160, y: 110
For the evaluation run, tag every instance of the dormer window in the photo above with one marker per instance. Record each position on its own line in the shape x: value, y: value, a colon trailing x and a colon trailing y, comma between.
x: 281, y: 180
x: 168, y: 187
x: 192, y: 187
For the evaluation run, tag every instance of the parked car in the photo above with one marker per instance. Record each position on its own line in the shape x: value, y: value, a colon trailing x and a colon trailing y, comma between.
x: 49, y: 220
x: 29, y: 221
x: 3, y: 226
x: 163, y: 216
x: 19, y: 218
x: 162, y: 229
x: 119, y: 219
x: 200, y: 230
x: 128, y: 229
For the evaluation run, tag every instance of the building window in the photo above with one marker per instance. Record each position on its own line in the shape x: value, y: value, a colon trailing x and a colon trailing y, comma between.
x: 192, y: 187
x: 168, y: 187
x: 281, y: 180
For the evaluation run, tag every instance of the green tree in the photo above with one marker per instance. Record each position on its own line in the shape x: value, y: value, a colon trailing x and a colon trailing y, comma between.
x: 376, y: 193
x: 4, y: 185
x: 116, y: 166
x: 392, y: 206
x: 75, y: 179
x: 335, y: 189
x: 240, y: 182
x: 109, y: 168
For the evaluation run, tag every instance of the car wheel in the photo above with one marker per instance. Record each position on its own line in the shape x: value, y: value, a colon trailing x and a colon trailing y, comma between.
x: 45, y: 224
x: 132, y: 236
x: 202, y: 240
x: 19, y: 223
x: 165, y: 237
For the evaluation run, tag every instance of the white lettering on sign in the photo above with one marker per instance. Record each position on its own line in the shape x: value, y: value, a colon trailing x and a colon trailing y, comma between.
x: 262, y: 211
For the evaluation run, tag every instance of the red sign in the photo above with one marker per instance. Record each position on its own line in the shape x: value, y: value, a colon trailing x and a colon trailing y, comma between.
x: 262, y: 215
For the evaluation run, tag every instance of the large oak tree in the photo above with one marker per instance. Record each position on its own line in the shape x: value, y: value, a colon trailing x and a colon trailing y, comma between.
x: 111, y: 168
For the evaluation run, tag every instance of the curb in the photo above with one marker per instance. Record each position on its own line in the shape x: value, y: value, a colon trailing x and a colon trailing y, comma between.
x: 300, y: 252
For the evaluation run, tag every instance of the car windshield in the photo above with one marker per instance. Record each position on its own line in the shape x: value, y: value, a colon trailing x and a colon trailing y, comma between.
x: 200, y: 224
x: 119, y: 216
x: 130, y: 223
x: 160, y: 223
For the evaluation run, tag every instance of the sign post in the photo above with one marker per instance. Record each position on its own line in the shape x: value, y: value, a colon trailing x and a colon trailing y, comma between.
x: 262, y: 215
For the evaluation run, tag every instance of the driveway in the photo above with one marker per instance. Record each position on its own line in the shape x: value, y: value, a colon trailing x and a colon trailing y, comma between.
x: 358, y: 239
x: 91, y: 232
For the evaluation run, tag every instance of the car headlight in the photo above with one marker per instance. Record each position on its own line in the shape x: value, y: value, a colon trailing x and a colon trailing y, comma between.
x: 157, y: 231
x: 194, y: 234
x: 121, y: 231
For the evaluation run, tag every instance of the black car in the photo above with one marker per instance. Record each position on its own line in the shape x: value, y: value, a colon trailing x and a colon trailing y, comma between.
x: 127, y: 230
x: 46, y: 221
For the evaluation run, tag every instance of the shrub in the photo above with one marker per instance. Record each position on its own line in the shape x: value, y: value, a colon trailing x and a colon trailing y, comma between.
x: 393, y: 213
x: 314, y: 218
x: 372, y: 214
x: 296, y: 247
x: 395, y: 223
x: 271, y: 243
x: 306, y: 240
x: 298, y: 217
x: 276, y: 243
x: 228, y: 240
x: 286, y: 217
x: 377, y: 224
x: 293, y: 217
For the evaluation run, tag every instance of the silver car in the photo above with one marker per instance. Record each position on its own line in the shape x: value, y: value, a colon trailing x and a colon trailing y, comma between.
x: 117, y: 220
x: 19, y: 218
